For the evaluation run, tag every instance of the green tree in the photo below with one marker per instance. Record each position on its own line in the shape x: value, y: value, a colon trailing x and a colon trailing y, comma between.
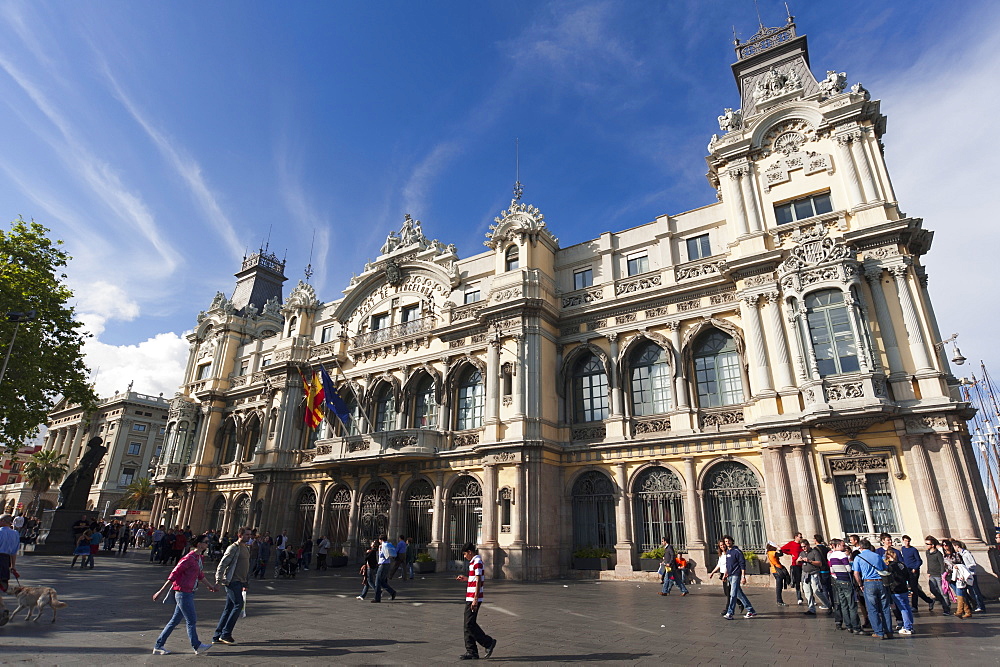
x: 139, y: 495
x: 43, y: 469
x: 46, y: 359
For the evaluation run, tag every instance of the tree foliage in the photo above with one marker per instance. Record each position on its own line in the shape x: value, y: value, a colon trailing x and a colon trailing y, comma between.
x: 139, y: 495
x: 43, y: 469
x: 47, y: 356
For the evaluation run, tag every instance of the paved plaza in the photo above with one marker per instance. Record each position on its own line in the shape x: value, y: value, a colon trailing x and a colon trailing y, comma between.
x: 316, y: 619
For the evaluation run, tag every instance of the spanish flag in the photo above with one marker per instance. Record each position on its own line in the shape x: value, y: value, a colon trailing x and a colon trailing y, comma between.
x: 313, y: 391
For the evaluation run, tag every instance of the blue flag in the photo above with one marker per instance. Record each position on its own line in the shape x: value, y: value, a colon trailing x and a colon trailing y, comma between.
x: 333, y: 400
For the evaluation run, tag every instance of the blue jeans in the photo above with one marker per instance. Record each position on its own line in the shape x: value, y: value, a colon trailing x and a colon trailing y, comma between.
x: 903, y: 604
x: 369, y: 582
x: 183, y: 610
x: 736, y: 591
x: 231, y: 614
x: 381, y: 581
x: 678, y: 579
x: 877, y: 601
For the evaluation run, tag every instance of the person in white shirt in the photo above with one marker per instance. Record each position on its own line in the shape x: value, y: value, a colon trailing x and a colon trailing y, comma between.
x: 322, y: 548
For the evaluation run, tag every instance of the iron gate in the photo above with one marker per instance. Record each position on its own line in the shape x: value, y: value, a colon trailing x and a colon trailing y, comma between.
x: 419, y: 502
x: 241, y: 514
x: 732, y: 506
x: 659, y: 509
x: 339, y: 513
x: 465, y: 515
x: 594, y: 512
x: 374, y: 518
x: 305, y: 515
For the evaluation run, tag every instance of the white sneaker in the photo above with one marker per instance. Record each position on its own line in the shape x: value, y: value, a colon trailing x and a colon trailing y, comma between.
x: 160, y: 651
x: 904, y: 631
x: 799, y: 602
x: 203, y: 649
x: 360, y: 598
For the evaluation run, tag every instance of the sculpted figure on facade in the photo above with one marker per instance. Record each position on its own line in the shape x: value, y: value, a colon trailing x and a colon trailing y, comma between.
x: 776, y: 83
x: 731, y: 120
x: 833, y: 83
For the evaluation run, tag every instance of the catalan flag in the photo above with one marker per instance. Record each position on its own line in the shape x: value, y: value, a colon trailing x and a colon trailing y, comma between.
x: 314, y: 395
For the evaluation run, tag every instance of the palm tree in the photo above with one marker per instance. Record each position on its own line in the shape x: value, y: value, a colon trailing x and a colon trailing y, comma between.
x: 43, y: 469
x: 139, y: 494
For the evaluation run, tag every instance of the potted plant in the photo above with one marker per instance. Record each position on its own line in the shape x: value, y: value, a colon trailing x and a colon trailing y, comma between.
x: 591, y: 558
x: 649, y: 561
x: 753, y: 562
x: 424, y: 563
x: 336, y: 558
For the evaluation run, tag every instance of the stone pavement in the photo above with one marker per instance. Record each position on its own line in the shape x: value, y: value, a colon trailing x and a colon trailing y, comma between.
x: 316, y: 619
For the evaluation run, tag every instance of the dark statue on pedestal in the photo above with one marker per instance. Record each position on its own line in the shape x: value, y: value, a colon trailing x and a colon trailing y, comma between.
x: 76, y: 487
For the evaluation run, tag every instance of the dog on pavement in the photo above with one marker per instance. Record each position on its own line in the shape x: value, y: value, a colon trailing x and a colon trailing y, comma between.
x: 33, y: 598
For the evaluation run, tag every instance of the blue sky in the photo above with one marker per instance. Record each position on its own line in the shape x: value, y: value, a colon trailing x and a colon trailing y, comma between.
x: 161, y: 140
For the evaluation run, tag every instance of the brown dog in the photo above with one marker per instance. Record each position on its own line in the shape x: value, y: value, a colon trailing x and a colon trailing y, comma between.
x: 33, y: 598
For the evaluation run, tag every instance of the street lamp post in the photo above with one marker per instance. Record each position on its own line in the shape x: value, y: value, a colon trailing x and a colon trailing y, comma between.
x: 16, y: 317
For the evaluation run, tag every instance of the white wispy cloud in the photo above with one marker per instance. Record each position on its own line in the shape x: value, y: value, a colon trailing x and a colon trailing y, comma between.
x: 155, y: 365
x: 424, y: 175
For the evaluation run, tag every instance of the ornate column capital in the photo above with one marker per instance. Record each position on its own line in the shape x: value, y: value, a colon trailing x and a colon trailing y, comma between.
x: 899, y: 270
x: 751, y: 299
x: 873, y: 273
x: 672, y: 325
x: 612, y: 336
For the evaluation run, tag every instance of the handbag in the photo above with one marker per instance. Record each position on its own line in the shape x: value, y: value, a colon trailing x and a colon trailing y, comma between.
x: 662, y: 571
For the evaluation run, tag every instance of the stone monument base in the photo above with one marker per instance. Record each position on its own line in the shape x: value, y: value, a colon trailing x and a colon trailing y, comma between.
x: 56, y: 535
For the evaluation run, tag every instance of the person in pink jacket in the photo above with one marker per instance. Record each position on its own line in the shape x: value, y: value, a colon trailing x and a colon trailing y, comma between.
x: 183, y: 580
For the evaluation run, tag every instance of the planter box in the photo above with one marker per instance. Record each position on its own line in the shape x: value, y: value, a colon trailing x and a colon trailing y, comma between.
x: 590, y: 564
x: 336, y: 561
x: 649, y: 564
x: 424, y: 568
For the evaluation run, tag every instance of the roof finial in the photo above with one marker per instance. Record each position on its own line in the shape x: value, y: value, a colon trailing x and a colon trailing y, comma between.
x: 788, y: 13
x: 309, y: 266
x: 518, y: 189
x: 736, y: 40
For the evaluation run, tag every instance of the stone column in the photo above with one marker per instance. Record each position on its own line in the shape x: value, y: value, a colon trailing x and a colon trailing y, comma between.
x: 776, y: 333
x: 758, y: 353
x: 319, y: 516
x: 492, y: 382
x: 352, y: 522
x: 489, y: 505
x: 866, y: 360
x: 861, y: 162
x: 812, y: 368
x: 520, y: 519
x: 623, y: 522
x: 519, y: 378
x: 736, y: 197
x: 874, y: 276
x: 74, y: 451
x: 693, y: 524
x: 779, y: 490
x: 437, y: 547
x: 960, y: 520
x: 914, y: 332
x: 801, y: 474
x: 616, y: 385
x: 924, y: 484
x: 677, y: 365
x: 750, y: 201
x: 851, y: 173
x: 393, y: 528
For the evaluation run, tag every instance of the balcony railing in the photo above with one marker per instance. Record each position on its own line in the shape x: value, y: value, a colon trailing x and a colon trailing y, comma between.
x: 387, y: 334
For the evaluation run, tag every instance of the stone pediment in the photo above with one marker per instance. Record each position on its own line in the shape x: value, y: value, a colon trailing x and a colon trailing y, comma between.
x: 522, y: 220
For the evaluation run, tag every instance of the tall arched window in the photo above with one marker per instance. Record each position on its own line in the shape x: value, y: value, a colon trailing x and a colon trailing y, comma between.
x: 717, y: 370
x: 218, y: 517
x: 291, y: 325
x: 594, y: 512
x: 511, y: 259
x: 241, y: 514
x: 418, y: 505
x: 305, y: 515
x: 733, y: 507
x: 659, y: 508
x: 357, y: 420
x: 471, y: 400
x: 425, y: 408
x: 465, y: 514
x: 830, y: 330
x: 253, y: 438
x: 338, y: 511
x: 650, y: 380
x: 385, y: 413
x: 227, y: 442
x: 374, y: 515
x: 590, y: 390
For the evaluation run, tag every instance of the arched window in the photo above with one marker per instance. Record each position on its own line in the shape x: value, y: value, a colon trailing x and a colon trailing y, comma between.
x: 425, y: 408
x: 594, y: 512
x: 650, y: 380
x: 471, y: 400
x: 733, y: 507
x: 385, y: 413
x: 830, y: 330
x: 418, y: 505
x: 228, y: 442
x: 590, y: 390
x: 291, y: 325
x: 339, y: 513
x: 241, y: 513
x: 717, y: 370
x: 511, y: 258
x: 374, y: 515
x: 218, y: 518
x: 253, y: 437
x: 659, y: 509
x: 465, y: 514
x: 305, y: 514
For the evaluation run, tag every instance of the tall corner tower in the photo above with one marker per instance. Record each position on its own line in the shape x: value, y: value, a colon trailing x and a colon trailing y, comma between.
x: 258, y: 281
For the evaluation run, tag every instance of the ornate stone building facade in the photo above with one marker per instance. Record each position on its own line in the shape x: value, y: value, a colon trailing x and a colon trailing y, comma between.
x: 768, y: 363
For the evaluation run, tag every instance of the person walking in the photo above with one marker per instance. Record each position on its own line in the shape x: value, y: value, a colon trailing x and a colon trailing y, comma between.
x: 970, y: 562
x: 913, y: 562
x: 386, y: 558
x: 720, y: 567
x: 899, y: 588
x: 322, y: 549
x: 935, y: 569
x: 845, y: 609
x: 263, y: 556
x: 157, y: 544
x: 868, y: 567
x: 474, y: 635
x: 411, y: 558
x: 233, y: 573
x: 10, y: 542
x: 778, y: 572
x: 962, y: 578
x: 369, y: 568
x: 813, y: 561
x: 183, y: 580
x: 736, y: 566
x: 95, y: 546
x: 400, y: 561
x: 793, y: 548
x: 82, y: 550
x: 670, y: 574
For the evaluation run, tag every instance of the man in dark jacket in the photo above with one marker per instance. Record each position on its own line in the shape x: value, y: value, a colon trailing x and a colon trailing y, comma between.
x: 671, y: 574
x: 735, y: 574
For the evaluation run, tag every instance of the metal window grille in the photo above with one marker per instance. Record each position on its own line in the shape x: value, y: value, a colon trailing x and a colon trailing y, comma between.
x: 218, y: 515
x: 339, y: 513
x: 594, y: 512
x: 733, y: 506
x: 419, y: 500
x: 465, y: 515
x: 241, y: 513
x: 374, y: 518
x: 659, y: 509
x: 306, y: 514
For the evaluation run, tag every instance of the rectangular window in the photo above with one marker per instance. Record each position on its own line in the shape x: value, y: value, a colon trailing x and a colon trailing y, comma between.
x: 411, y: 313
x: 472, y: 295
x: 163, y: 429
x: 139, y: 427
x: 380, y: 321
x: 134, y: 448
x: 244, y: 367
x: 583, y: 278
x: 638, y: 264
x: 698, y: 247
x: 159, y: 450
x: 127, y: 477
x: 266, y: 361
x: 327, y: 335
x: 204, y: 371
x: 800, y: 209
x: 15, y: 468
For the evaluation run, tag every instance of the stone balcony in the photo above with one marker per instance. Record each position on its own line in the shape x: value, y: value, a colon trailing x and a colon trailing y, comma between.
x: 170, y: 472
x: 405, y: 336
x: 403, y: 444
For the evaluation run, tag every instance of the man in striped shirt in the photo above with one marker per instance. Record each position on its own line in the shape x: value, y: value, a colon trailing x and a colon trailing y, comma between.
x: 473, y: 599
x: 845, y: 609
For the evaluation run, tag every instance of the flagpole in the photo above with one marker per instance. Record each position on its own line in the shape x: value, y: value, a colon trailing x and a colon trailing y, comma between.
x: 357, y: 399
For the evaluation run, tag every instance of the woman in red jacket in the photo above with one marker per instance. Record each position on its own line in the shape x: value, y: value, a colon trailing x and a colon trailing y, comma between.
x: 183, y: 579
